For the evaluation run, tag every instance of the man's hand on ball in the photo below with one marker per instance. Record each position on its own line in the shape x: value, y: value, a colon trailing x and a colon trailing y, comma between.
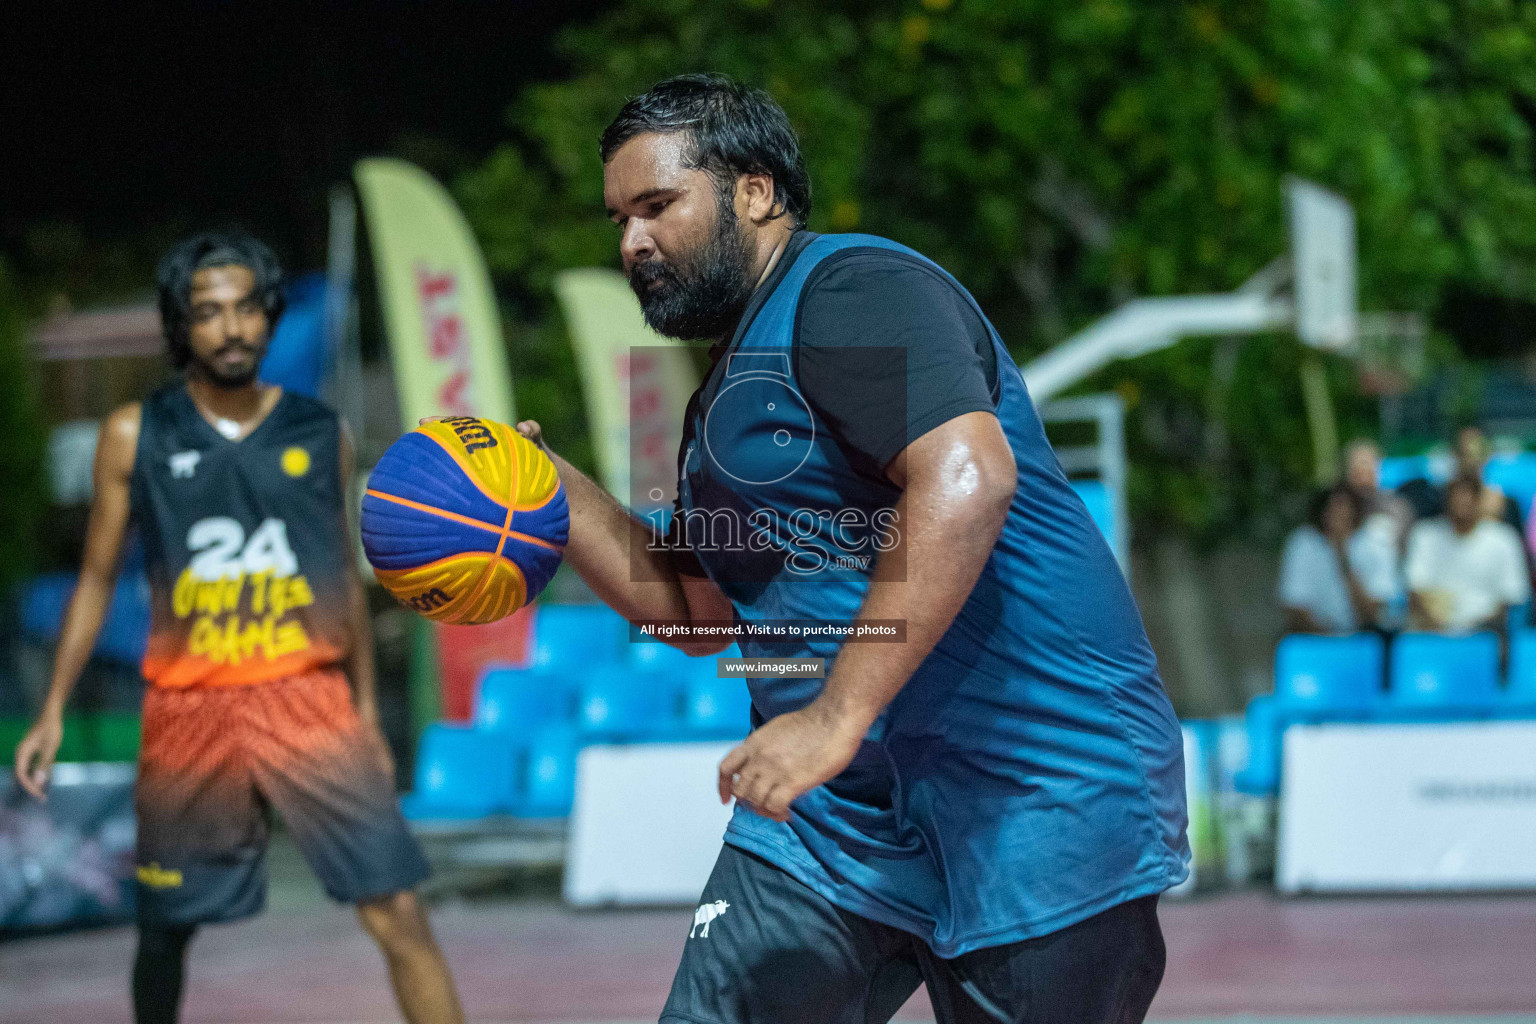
x: 528, y: 428
x: 787, y: 757
x: 533, y: 432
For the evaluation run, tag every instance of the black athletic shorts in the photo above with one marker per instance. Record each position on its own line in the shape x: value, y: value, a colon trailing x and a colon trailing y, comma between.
x: 765, y: 949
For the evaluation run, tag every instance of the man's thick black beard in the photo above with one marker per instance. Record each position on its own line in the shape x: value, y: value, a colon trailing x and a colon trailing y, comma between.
x: 704, y: 296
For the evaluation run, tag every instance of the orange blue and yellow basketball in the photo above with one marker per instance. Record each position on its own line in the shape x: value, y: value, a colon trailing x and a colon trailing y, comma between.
x: 464, y: 520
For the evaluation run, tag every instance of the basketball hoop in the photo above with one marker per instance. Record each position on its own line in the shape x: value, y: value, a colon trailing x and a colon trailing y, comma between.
x: 1322, y: 306
x: 1323, y: 265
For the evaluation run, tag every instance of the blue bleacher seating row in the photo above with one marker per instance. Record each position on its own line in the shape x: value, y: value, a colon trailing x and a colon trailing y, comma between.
x: 583, y: 683
x: 1427, y: 677
x: 1512, y: 473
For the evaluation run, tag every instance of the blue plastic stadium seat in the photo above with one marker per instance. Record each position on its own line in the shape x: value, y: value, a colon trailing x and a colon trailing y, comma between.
x: 655, y: 656
x: 1232, y: 749
x: 1520, y: 691
x: 1318, y: 678
x: 1444, y: 676
x: 1261, y: 776
x: 567, y: 635
x: 1096, y: 496
x: 621, y: 704
x: 462, y: 773
x: 546, y: 773
x: 717, y: 707
x: 1515, y: 475
x: 1400, y: 469
x: 519, y: 701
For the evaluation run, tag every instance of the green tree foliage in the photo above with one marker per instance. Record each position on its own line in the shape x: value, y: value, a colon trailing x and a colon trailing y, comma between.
x: 1061, y: 158
x: 22, y: 455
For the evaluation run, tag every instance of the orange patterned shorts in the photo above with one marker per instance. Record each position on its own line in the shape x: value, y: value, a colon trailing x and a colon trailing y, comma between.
x: 216, y: 761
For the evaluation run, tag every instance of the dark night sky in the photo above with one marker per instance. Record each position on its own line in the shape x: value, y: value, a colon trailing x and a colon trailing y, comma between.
x: 136, y: 119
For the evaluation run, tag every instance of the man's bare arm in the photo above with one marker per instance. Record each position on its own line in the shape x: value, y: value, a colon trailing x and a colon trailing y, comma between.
x: 957, y: 482
x: 116, y: 445
x: 604, y: 539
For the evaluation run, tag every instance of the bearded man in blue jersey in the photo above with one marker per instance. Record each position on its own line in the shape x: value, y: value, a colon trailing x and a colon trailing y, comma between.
x: 991, y: 803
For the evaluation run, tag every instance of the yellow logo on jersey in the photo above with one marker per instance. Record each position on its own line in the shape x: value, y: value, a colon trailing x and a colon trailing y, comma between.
x: 295, y: 461
x: 242, y: 590
x: 156, y: 877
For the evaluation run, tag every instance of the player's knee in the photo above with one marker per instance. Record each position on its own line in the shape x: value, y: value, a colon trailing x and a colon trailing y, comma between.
x: 396, y: 922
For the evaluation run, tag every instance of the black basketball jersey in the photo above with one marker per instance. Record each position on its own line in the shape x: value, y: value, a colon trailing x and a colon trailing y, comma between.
x: 246, y: 542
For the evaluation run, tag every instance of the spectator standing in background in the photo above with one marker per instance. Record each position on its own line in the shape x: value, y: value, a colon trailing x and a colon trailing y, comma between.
x: 1471, y: 449
x: 1465, y: 570
x: 1336, y: 577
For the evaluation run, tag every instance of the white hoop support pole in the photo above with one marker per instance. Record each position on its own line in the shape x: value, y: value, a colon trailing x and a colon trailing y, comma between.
x: 1146, y: 325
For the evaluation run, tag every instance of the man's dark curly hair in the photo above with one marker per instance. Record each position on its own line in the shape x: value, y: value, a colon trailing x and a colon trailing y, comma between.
x: 213, y: 249
x: 731, y: 130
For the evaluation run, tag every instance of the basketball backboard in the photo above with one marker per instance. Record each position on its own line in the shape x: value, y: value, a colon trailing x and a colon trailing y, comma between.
x: 1322, y: 226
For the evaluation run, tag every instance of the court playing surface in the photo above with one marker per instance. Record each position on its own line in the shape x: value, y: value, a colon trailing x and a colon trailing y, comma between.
x: 1245, y: 958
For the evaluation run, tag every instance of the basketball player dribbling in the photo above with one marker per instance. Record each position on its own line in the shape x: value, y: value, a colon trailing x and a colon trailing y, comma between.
x: 260, y: 666
x: 989, y: 806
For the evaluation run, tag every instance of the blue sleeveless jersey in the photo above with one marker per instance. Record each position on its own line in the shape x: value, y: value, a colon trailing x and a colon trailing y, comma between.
x: 1030, y: 773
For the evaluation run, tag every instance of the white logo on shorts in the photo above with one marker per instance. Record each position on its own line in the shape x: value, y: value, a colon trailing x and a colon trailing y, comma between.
x: 184, y: 464
x: 705, y: 914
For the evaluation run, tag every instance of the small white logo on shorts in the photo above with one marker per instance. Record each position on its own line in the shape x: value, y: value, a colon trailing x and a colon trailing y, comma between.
x: 705, y: 914
x: 184, y: 464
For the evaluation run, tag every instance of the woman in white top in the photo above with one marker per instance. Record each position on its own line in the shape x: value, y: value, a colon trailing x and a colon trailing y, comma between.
x: 1334, y: 576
